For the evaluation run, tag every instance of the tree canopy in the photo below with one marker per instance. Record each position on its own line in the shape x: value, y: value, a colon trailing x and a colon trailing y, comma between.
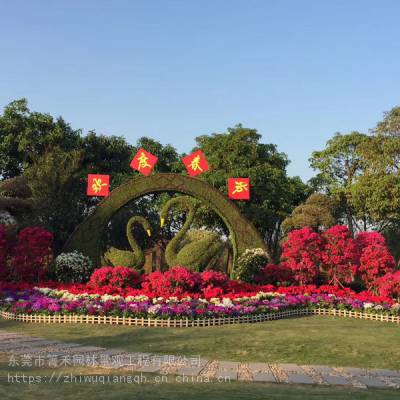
x: 362, y: 173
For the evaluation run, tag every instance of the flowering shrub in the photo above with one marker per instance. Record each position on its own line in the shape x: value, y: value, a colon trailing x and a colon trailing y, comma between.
x: 120, y: 277
x: 249, y: 264
x: 302, y: 255
x: 340, y: 255
x: 4, y: 250
x: 32, y: 255
x: 73, y: 267
x: 364, y: 239
x: 389, y: 285
x: 176, y: 282
x: 7, y: 219
x: 375, y: 262
x: 214, y: 279
x: 275, y: 275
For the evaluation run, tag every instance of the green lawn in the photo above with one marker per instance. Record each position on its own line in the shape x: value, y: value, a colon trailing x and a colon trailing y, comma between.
x: 311, y: 340
x: 167, y: 391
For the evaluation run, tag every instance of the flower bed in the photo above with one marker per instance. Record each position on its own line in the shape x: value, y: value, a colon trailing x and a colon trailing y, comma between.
x: 53, y: 301
x: 179, y: 294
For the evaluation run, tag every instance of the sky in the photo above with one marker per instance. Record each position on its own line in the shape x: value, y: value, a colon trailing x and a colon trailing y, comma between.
x: 297, y: 71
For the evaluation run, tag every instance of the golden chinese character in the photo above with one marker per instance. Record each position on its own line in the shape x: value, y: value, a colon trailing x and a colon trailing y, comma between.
x: 143, y: 161
x: 195, y: 164
x: 240, y: 187
x: 97, y: 185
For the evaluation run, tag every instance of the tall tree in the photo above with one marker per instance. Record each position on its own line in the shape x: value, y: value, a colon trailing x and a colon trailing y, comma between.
x: 318, y: 211
x: 58, y: 192
x: 26, y: 135
x: 362, y: 173
x: 339, y: 165
x: 238, y: 152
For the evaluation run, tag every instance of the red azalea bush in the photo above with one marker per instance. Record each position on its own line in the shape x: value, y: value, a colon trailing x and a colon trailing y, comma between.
x: 340, y: 255
x: 302, y: 254
x: 4, y: 250
x: 275, y: 274
x: 389, y: 285
x: 375, y: 262
x: 214, y: 279
x: 116, y: 277
x: 32, y: 255
x: 213, y: 283
x: 364, y: 239
x: 175, y: 282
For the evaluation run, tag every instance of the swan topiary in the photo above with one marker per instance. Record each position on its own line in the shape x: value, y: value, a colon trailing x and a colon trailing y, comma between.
x: 126, y: 258
x: 195, y: 254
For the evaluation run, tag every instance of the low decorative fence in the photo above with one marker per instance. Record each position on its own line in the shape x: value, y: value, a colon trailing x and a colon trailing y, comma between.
x: 186, y: 322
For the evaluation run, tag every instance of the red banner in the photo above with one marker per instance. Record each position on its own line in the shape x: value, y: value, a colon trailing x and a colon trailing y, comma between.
x: 239, y: 188
x: 98, y: 185
x: 144, y: 162
x: 195, y: 163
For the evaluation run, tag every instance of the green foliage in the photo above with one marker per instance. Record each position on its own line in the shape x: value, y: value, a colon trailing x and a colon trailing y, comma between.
x: 318, y: 211
x: 238, y: 152
x: 15, y: 196
x: 57, y: 189
x: 362, y: 173
x: 390, y: 125
x: 73, y: 267
x: 249, y: 264
x: 168, y: 158
x: 339, y: 165
x: 26, y: 135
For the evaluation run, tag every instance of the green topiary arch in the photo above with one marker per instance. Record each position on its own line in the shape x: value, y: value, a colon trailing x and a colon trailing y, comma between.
x: 87, y: 236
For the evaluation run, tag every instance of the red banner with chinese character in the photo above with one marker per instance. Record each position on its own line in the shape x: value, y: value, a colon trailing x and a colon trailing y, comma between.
x: 98, y: 185
x: 195, y: 163
x: 239, y: 188
x: 144, y: 162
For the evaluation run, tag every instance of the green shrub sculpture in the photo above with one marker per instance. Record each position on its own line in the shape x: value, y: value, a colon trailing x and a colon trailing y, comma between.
x: 125, y: 258
x: 193, y: 255
x: 87, y: 238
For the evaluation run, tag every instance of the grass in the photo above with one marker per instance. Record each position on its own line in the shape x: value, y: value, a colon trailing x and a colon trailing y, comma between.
x: 311, y: 340
x: 166, y: 390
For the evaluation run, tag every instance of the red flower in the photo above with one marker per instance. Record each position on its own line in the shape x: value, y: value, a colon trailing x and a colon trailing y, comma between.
x: 389, y: 285
x: 302, y: 254
x: 114, y: 278
x: 273, y: 274
x: 375, y: 262
x: 32, y: 255
x: 340, y: 255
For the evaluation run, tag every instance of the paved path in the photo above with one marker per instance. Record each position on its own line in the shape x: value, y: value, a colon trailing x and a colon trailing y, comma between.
x: 28, y: 351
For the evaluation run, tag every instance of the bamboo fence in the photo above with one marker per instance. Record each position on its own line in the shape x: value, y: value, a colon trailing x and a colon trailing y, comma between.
x: 199, y: 322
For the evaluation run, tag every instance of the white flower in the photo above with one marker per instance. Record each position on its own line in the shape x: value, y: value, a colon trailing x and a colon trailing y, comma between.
x: 154, y: 309
x: 226, y: 302
x: 368, y: 305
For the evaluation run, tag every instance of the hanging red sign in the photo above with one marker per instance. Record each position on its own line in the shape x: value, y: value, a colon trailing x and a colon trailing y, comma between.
x: 195, y: 163
x: 239, y: 188
x: 98, y: 185
x: 143, y: 162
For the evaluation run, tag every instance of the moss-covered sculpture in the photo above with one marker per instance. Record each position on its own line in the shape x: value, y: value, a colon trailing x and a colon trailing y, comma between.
x: 87, y: 238
x: 193, y: 255
x: 132, y: 259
